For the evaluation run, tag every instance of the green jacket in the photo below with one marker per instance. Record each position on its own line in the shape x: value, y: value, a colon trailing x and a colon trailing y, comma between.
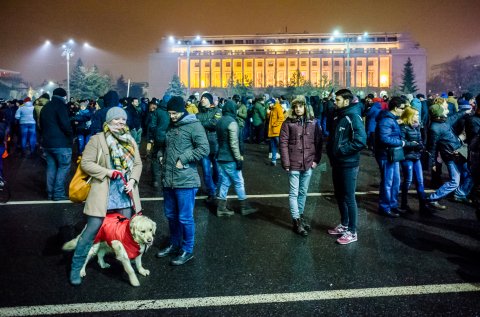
x: 186, y: 141
x: 259, y: 114
x: 241, y: 114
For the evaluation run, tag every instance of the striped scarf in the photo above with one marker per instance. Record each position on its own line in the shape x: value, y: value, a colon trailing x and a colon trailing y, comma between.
x: 121, y: 148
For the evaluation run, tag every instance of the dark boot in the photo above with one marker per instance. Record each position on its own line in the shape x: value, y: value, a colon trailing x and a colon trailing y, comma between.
x: 305, y: 222
x: 79, y: 257
x: 424, y: 209
x: 246, y: 208
x: 222, y: 209
x: 298, y: 227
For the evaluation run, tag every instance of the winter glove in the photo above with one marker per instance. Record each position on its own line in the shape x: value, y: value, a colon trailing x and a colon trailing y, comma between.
x: 116, y: 174
x: 239, y: 165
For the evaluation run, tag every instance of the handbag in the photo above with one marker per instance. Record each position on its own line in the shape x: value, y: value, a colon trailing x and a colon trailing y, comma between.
x: 80, y: 185
x: 395, y: 154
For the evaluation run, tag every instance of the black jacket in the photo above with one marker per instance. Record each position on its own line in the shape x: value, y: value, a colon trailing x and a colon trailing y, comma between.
x: 55, y: 123
x: 472, y: 127
x: 209, y: 118
x: 413, y: 142
x: 157, y: 127
x: 347, y: 137
x: 442, y: 138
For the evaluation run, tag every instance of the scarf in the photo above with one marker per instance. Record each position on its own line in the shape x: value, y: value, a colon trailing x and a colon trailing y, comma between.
x: 121, y: 148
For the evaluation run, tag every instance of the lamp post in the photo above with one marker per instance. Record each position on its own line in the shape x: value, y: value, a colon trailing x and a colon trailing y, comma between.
x: 347, y: 39
x: 67, y: 53
x: 188, y: 43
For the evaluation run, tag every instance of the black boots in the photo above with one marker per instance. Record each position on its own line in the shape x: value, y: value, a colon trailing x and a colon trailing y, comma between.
x: 304, y: 222
x: 246, y: 208
x: 222, y: 209
x: 299, y: 228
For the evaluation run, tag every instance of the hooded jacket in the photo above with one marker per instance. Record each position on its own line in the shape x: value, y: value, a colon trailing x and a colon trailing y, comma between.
x: 158, y: 125
x: 228, y: 135
x: 372, y: 113
x: 300, y: 142
x: 347, y: 138
x: 185, y: 141
x: 275, y: 120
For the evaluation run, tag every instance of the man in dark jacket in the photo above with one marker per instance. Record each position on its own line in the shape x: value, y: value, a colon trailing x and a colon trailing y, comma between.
x: 442, y: 139
x: 57, y: 141
x: 230, y: 161
x: 208, y: 116
x: 346, y: 140
x: 134, y: 119
x: 388, y: 136
x: 186, y: 144
x: 157, y: 130
x: 98, y: 119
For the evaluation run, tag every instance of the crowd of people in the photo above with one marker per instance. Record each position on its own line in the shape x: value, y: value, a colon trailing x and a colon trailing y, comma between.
x: 408, y: 136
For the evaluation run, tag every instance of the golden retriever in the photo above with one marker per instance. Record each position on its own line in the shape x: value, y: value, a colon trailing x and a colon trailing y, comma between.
x: 128, y: 239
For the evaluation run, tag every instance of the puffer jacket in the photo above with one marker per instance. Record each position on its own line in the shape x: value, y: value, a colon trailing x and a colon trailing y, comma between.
x: 387, y: 134
x: 300, y: 143
x: 228, y: 135
x: 158, y: 124
x: 186, y: 141
x: 347, y: 137
x: 209, y: 118
x: 413, y: 142
x: 371, y: 115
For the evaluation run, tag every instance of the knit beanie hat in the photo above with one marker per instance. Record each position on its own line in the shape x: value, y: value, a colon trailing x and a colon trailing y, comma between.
x: 115, y: 113
x: 208, y: 96
x: 60, y: 92
x: 177, y: 104
x: 437, y: 111
x: 45, y: 96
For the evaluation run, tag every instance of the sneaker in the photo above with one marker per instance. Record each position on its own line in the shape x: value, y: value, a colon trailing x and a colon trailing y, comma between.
x: 347, y: 238
x: 436, y: 205
x: 464, y: 200
x: 340, y: 229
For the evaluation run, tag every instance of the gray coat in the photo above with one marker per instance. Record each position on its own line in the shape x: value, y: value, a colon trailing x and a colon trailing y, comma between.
x: 186, y: 141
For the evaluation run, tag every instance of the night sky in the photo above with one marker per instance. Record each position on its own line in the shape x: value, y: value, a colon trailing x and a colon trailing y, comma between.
x: 125, y: 32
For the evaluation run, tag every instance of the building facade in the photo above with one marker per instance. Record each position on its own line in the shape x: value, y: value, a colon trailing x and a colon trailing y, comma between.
x: 372, y: 62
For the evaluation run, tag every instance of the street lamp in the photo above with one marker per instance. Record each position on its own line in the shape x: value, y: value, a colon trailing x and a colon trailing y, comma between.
x: 67, y: 53
x: 188, y: 43
x: 347, y: 39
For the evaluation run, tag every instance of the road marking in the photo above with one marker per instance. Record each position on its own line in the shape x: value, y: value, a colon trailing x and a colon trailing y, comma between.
x: 47, y: 202
x: 159, y: 304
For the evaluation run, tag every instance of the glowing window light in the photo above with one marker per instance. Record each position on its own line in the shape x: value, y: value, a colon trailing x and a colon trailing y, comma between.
x: 383, y: 80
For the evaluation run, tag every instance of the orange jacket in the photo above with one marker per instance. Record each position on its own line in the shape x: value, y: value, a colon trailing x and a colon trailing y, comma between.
x: 275, y: 121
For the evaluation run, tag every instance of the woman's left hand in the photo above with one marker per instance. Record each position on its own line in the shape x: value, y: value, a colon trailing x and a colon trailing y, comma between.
x: 129, y: 186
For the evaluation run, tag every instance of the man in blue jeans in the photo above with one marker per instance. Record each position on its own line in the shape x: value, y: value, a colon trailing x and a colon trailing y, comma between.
x: 347, y: 139
x: 443, y: 139
x: 57, y: 141
x: 186, y: 144
x: 230, y: 161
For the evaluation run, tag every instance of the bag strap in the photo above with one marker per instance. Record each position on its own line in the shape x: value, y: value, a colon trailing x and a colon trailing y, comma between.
x: 130, y: 194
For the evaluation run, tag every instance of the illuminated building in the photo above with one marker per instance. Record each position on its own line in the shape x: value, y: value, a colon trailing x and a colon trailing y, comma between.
x: 376, y: 61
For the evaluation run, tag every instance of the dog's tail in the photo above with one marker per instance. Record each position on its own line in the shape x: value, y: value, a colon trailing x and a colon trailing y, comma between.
x: 72, y: 244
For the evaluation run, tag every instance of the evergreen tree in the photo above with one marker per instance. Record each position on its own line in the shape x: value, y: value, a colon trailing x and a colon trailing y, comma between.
x: 77, y: 79
x: 408, y: 80
x: 122, y: 86
x: 176, y: 87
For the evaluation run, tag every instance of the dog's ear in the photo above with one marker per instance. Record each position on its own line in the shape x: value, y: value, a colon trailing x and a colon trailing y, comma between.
x: 154, y: 226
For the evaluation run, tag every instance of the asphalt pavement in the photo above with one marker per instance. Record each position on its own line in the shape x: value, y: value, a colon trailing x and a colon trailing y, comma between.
x: 246, y: 265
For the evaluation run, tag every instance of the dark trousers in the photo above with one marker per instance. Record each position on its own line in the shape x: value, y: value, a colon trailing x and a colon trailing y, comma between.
x: 344, y: 185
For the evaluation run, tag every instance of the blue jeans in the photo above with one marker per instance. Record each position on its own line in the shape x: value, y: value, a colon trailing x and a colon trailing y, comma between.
x: 210, y: 174
x: 228, y: 174
x: 274, y: 147
x: 28, y: 131
x: 299, y: 182
x: 344, y: 185
x: 460, y: 181
x: 410, y: 168
x: 58, y: 168
x: 82, y: 141
x: 178, y: 206
x: 389, y: 185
